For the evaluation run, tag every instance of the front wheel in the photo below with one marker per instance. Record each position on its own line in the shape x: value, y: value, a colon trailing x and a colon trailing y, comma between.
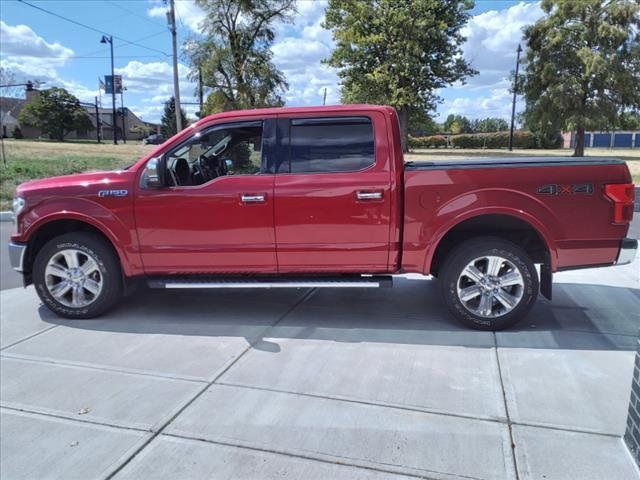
x: 77, y: 275
x: 489, y: 283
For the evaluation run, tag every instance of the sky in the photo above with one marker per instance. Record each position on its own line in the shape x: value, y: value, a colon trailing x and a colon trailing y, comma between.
x: 36, y: 45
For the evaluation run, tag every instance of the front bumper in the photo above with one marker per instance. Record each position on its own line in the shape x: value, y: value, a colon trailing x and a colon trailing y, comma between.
x: 16, y: 255
x: 628, y: 249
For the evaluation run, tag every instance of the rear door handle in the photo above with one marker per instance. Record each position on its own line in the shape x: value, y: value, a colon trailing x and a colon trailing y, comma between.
x: 253, y: 198
x: 369, y: 195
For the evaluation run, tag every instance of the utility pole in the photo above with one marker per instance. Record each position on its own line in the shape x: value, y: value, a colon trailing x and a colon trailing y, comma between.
x: 324, y: 97
x: 109, y: 40
x: 513, y: 105
x: 97, y: 120
x: 171, y: 17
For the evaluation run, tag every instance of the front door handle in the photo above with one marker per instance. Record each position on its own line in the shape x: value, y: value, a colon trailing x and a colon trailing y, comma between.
x: 253, y: 198
x: 369, y: 195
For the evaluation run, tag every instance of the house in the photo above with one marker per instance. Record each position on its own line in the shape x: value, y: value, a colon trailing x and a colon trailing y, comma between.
x: 135, y: 127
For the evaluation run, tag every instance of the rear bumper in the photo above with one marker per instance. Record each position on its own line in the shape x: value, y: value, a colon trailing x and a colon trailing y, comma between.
x: 16, y: 255
x: 628, y: 249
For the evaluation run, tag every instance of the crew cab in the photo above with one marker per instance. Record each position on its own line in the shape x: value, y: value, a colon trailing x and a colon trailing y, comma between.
x: 320, y: 197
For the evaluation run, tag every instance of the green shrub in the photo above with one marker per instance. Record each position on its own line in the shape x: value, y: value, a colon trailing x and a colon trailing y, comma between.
x: 432, y: 141
x: 17, y: 133
x: 521, y: 139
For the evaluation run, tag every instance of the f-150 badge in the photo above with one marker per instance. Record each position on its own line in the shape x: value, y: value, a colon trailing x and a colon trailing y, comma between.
x: 113, y: 193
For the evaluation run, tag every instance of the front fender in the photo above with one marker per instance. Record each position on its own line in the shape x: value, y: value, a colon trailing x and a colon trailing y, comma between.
x: 115, y: 223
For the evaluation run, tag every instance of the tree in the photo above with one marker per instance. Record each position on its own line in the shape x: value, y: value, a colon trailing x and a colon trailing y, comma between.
x: 56, y: 113
x: 421, y: 124
x: 457, y: 124
x: 397, y: 53
x: 489, y: 124
x: 582, y: 65
x: 168, y: 122
x: 235, y: 55
x: 629, y: 121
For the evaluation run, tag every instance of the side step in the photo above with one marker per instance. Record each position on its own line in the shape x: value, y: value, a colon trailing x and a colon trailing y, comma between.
x: 375, y: 281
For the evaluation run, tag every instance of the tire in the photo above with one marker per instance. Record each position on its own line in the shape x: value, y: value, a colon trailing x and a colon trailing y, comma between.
x: 82, y: 289
x: 480, y: 300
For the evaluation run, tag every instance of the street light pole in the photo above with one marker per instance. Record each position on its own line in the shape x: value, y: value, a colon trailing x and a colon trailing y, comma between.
x: 109, y: 40
x: 513, y: 105
x: 124, y: 124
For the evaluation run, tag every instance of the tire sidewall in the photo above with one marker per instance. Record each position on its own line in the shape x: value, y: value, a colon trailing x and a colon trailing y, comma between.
x: 468, y: 251
x: 107, y: 266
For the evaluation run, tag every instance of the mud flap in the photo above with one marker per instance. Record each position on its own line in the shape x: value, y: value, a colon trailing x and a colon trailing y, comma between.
x: 546, y: 281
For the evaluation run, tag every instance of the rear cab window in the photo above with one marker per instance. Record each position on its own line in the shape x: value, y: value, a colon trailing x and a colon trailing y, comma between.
x: 329, y: 144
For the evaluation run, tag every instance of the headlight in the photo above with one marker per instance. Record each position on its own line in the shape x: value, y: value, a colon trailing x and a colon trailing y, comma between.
x: 18, y: 206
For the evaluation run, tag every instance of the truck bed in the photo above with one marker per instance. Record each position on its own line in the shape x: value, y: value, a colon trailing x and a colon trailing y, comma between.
x: 511, y: 162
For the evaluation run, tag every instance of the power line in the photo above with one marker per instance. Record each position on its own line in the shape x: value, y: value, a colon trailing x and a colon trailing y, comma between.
x: 93, y: 28
x: 135, y: 14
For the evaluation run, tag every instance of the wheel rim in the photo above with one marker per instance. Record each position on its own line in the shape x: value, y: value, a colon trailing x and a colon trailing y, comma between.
x: 73, y: 278
x: 490, y: 286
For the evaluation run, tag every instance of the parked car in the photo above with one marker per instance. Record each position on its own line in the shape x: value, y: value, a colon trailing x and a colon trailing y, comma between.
x: 320, y: 197
x: 154, y: 139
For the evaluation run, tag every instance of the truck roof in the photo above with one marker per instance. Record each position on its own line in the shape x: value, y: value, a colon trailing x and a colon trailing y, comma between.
x: 352, y: 108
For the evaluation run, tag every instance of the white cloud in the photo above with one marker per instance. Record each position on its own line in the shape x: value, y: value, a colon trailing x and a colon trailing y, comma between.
x: 22, y: 41
x: 187, y: 12
x: 29, y: 56
x: 299, y: 50
x: 492, y: 39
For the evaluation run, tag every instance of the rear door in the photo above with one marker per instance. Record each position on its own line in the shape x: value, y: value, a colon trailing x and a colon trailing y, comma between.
x: 332, y: 194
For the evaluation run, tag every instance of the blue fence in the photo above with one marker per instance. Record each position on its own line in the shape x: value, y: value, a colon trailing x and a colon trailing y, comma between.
x: 609, y: 139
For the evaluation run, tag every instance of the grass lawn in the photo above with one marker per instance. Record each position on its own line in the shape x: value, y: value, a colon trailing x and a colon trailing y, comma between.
x: 29, y: 159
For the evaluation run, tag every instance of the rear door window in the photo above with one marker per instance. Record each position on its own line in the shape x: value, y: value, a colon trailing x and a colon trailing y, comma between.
x: 340, y: 144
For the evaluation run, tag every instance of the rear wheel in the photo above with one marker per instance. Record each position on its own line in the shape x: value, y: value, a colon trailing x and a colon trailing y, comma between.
x: 489, y: 283
x: 77, y: 275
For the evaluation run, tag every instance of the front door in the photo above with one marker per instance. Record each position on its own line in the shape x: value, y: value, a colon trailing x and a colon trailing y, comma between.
x: 332, y: 195
x: 215, y: 214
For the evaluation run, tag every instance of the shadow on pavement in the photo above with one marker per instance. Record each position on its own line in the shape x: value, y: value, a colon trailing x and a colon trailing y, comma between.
x: 581, y: 316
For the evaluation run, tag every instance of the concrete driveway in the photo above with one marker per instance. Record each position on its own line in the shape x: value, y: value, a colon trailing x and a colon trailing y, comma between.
x: 317, y: 384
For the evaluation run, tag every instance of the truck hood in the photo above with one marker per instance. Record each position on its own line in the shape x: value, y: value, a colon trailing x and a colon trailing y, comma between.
x: 94, y: 186
x: 76, y: 182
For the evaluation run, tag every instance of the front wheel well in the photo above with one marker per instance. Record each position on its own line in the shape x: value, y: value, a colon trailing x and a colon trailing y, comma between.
x: 54, y: 229
x: 506, y: 227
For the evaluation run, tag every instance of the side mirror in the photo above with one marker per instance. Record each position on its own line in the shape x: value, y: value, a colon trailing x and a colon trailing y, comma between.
x: 153, y: 174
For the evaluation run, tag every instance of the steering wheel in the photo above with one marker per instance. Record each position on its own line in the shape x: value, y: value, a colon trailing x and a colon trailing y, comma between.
x: 201, y: 169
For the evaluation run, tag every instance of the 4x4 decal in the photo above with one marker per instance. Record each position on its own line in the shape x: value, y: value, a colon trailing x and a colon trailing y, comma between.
x: 575, y: 189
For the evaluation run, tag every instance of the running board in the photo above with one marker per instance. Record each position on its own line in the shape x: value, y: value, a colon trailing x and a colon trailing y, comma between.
x: 271, y: 282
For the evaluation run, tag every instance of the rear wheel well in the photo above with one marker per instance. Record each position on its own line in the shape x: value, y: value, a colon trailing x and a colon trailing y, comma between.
x: 54, y: 229
x: 495, y: 225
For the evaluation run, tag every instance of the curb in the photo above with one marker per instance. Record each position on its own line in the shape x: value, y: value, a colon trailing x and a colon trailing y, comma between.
x: 6, y: 216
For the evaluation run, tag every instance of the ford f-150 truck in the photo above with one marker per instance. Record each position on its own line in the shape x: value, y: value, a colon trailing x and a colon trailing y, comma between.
x: 320, y: 197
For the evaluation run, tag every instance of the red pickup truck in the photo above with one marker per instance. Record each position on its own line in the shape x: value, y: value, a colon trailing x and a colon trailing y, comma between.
x: 320, y: 197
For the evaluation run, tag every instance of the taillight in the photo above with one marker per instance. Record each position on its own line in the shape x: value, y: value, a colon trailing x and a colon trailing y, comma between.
x: 622, y: 195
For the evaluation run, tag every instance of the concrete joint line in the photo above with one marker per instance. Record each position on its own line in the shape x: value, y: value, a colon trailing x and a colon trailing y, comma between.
x: 29, y: 337
x: 102, y: 368
x: 189, y: 402
x: 406, y: 408
x: 506, y: 408
x: 331, y: 459
x: 73, y: 418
